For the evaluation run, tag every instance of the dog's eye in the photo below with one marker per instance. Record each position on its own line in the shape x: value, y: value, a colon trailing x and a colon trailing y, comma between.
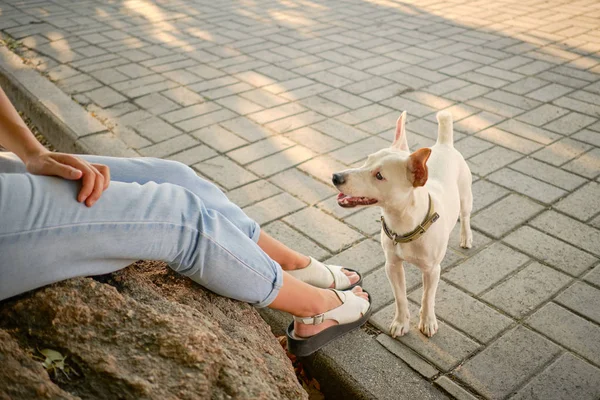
x: 379, y: 176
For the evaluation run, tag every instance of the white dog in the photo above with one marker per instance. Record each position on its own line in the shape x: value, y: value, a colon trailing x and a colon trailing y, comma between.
x: 421, y: 196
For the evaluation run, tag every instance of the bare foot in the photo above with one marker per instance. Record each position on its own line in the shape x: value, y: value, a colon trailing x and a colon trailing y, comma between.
x: 306, y: 330
x: 353, y: 276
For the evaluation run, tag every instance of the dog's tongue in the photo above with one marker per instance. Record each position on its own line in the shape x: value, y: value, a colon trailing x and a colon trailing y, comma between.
x: 348, y: 201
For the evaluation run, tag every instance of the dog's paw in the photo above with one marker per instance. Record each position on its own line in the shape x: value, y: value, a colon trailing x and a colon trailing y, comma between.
x: 428, y: 325
x: 400, y: 327
x: 466, y: 241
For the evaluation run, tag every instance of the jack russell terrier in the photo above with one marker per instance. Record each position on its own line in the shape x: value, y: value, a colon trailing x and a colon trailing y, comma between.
x: 421, y: 196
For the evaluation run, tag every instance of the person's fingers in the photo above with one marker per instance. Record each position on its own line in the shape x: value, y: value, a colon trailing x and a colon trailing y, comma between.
x: 88, y: 177
x: 105, y: 171
x: 97, y: 189
x: 62, y: 170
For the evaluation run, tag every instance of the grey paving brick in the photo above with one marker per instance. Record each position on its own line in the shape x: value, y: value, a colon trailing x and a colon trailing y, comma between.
x: 525, y: 85
x: 528, y: 131
x: 295, y: 240
x: 187, y: 113
x: 322, y: 167
x: 486, y: 193
x: 247, y: 129
x: 170, y: 146
x: 408, y: 356
x: 568, y: 329
x: 312, y: 223
x: 509, y: 140
x: 570, y: 123
x: 548, y: 173
x: 588, y: 164
x: 105, y: 96
x: 366, y: 220
x: 505, y: 215
x: 340, y: 131
x: 252, y: 192
x: 526, y: 185
x: 477, y: 122
x: 549, y: 92
x: 225, y: 172
x: 583, y: 299
x: 263, y: 98
x: 583, y: 203
x: 542, y: 115
x: 445, y: 349
x: 156, y: 129
x: 260, y: 149
x: 588, y: 136
x: 219, y: 138
x: 156, y: 104
x: 495, y: 107
x: 569, y: 230
x: 491, y: 160
x: 471, y: 146
x: 359, y: 150
x: 193, y: 155
x: 183, y: 96
x: 323, y: 106
x: 377, y: 283
x: 550, y: 250
x: 281, y: 161
x: 314, y: 140
x: 273, y: 208
x: 480, y: 241
x: 205, y: 120
x: 500, y: 368
x: 466, y: 313
x: 454, y: 389
x: 567, y: 378
x: 467, y: 92
x: 521, y: 102
x: 594, y: 276
x: 362, y: 257
x: 302, y: 186
x: 486, y: 268
x: 527, y: 289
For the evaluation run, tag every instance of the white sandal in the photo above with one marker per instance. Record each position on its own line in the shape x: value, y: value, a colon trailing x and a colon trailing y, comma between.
x: 353, y: 313
x: 323, y: 275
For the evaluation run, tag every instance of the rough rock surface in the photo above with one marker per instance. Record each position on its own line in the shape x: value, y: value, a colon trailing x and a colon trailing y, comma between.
x: 141, y: 333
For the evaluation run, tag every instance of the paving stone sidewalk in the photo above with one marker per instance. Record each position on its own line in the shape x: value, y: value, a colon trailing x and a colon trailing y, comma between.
x: 268, y: 98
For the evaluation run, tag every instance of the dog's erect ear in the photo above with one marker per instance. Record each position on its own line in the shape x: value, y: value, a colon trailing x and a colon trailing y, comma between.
x: 400, y: 142
x: 417, y: 166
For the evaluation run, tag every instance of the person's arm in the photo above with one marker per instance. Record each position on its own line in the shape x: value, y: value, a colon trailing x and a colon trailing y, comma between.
x: 15, y: 136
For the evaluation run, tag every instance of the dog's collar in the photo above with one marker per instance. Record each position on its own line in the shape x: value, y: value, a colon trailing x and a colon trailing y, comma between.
x: 430, y: 218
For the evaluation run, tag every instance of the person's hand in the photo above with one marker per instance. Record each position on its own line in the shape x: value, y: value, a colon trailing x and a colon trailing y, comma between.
x: 95, y: 178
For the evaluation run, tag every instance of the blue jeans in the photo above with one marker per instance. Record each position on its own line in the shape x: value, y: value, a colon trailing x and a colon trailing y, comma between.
x: 154, y: 209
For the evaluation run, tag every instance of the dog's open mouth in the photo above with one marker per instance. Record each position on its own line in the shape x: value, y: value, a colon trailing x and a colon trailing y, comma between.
x: 348, y: 201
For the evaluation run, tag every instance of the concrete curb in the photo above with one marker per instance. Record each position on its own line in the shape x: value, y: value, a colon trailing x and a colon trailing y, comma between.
x: 67, y: 125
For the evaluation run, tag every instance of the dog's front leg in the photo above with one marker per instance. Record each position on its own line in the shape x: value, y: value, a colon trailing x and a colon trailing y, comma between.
x: 395, y: 272
x: 427, y: 321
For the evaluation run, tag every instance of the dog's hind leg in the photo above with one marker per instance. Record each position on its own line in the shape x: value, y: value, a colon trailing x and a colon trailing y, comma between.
x: 466, y: 206
x: 395, y: 272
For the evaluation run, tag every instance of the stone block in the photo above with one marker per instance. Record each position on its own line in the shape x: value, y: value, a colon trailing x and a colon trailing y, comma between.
x: 302, y: 186
x: 273, y: 208
x: 492, y: 159
x: 225, y: 172
x: 219, y: 138
x: 503, y: 366
x: 505, y: 215
x: 466, y: 313
x: 548, y: 173
x: 260, y: 149
x: 323, y: 229
x: 527, y: 289
x: 527, y: 185
x: 583, y: 203
x: 281, y: 161
x: 446, y: 349
x: 565, y: 379
x: 486, y: 268
x: 542, y: 115
x: 362, y: 257
x: 569, y: 230
x: 571, y: 331
x: 583, y: 299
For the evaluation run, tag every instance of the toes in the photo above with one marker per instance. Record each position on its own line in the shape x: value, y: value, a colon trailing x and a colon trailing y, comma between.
x: 352, y: 276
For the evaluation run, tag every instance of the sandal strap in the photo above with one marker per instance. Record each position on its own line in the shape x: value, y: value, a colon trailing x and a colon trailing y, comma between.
x: 340, y: 280
x: 344, y: 313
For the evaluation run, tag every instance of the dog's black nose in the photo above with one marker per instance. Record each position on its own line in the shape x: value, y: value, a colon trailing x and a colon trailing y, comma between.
x: 338, y: 179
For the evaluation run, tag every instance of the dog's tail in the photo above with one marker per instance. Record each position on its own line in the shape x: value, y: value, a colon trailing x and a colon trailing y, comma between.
x: 445, y: 128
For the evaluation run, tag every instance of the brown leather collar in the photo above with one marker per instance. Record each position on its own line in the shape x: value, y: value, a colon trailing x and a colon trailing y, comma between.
x: 430, y: 218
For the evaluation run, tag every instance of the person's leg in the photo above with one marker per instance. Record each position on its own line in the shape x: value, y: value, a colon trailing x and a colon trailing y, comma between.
x: 46, y: 237
x: 143, y: 170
